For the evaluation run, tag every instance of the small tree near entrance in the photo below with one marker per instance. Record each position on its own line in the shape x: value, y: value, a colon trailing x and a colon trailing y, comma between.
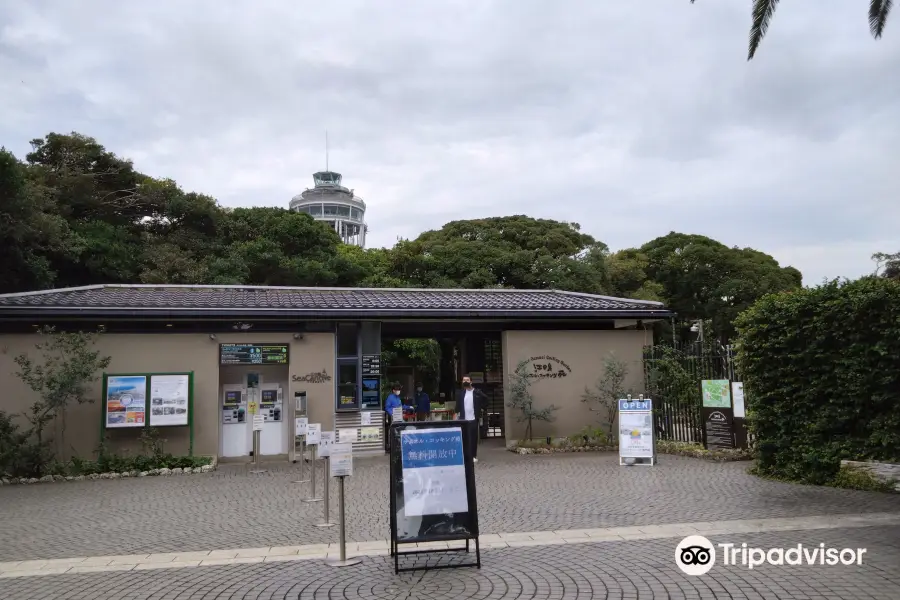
x: 69, y: 365
x: 521, y: 399
x: 610, y: 387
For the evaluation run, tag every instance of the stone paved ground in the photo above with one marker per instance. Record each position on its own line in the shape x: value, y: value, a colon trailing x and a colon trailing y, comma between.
x: 640, y: 569
x: 233, y: 509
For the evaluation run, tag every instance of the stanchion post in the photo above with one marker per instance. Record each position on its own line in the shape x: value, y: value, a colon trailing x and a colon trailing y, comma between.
x: 311, y: 496
x: 302, y: 460
x: 256, y: 445
x: 342, y: 561
x: 326, y: 495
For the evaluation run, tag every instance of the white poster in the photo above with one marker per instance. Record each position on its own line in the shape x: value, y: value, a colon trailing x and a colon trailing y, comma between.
x: 326, y: 439
x: 365, y: 418
x: 258, y: 421
x: 737, y: 398
x: 434, y: 472
x: 635, y: 429
x: 169, y: 400
x: 370, y: 434
x: 341, y: 461
x: 313, y: 433
x: 348, y: 435
x: 300, y: 424
x: 397, y: 415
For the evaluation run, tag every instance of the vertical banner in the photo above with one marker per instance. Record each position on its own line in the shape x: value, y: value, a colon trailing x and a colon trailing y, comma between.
x: 636, y: 429
x: 741, y: 438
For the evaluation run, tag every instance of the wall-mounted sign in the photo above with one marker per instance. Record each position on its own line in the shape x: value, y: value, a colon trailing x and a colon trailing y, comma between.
x: 545, y: 367
x: 169, y: 395
x: 737, y: 396
x: 253, y: 354
x: 371, y: 364
x: 252, y: 408
x: 126, y: 400
x: 319, y: 377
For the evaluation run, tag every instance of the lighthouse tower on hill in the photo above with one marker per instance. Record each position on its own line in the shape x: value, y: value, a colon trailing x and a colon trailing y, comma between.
x: 331, y: 202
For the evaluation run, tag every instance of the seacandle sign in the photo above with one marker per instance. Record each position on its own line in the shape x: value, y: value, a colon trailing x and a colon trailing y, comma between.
x: 545, y: 367
x: 320, y: 377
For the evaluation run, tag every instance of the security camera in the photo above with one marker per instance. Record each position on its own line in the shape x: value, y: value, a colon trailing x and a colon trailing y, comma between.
x: 212, y: 336
x: 298, y: 336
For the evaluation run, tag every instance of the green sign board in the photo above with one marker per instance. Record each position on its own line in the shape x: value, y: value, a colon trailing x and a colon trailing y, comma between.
x: 716, y: 393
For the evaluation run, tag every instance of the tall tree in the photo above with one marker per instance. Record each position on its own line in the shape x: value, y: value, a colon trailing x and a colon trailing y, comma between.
x: 513, y: 252
x: 764, y: 10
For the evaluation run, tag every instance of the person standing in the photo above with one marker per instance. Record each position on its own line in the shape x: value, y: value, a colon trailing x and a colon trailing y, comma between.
x: 470, y: 405
x: 393, y: 401
x: 423, y: 404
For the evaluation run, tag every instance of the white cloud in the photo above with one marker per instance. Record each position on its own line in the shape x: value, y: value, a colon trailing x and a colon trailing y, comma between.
x: 632, y: 121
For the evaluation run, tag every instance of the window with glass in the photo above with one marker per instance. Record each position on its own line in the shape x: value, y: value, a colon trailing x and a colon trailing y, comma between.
x: 347, y: 340
x: 315, y: 210
x: 330, y: 210
x: 347, y: 396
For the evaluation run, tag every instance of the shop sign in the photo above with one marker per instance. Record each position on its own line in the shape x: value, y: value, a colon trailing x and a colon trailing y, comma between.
x: 545, y: 367
x: 320, y: 377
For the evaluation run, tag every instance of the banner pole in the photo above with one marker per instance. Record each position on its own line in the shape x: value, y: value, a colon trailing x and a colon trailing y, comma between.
x: 256, y: 445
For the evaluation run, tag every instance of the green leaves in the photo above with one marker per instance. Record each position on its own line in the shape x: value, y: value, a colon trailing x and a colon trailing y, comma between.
x: 821, y: 367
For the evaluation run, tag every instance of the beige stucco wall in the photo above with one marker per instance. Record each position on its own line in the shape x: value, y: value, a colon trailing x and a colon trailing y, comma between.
x: 142, y: 353
x: 583, y: 352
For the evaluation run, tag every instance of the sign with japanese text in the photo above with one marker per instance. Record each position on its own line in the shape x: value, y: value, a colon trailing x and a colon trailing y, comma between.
x: 636, y: 428
x: 544, y: 367
x: 434, y: 473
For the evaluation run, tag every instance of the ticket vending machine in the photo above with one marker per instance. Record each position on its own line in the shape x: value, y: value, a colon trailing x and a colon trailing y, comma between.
x: 273, y: 437
x: 234, y: 420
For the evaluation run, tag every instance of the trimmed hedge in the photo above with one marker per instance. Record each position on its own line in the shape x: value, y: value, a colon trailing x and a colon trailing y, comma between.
x: 821, y: 369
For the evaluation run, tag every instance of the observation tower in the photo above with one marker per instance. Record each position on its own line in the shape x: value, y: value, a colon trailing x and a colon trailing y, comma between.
x: 334, y: 204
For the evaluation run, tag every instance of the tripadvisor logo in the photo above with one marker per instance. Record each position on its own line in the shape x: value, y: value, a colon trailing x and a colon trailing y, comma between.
x: 696, y: 555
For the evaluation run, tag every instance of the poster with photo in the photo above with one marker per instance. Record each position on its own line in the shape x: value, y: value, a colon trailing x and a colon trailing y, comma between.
x: 126, y: 400
x: 169, y: 400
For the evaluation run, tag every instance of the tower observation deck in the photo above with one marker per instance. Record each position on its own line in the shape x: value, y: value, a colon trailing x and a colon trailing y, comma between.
x: 334, y: 204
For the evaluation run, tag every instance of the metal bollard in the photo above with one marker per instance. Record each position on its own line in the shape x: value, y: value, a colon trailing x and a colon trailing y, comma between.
x: 343, y: 561
x: 326, y: 494
x: 311, y: 496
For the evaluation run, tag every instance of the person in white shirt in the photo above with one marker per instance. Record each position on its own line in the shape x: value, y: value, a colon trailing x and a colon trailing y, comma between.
x: 470, y: 405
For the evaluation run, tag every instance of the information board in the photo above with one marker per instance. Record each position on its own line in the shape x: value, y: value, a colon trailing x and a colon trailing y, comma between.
x: 258, y: 421
x: 434, y: 472
x: 371, y: 364
x: 253, y: 354
x: 313, y: 433
x: 432, y: 483
x: 126, y: 401
x: 326, y: 439
x: 169, y: 399
x: 636, y: 428
x: 341, y: 461
x: 300, y: 425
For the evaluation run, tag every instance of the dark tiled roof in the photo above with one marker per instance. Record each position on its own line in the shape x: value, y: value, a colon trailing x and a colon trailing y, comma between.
x: 320, y: 300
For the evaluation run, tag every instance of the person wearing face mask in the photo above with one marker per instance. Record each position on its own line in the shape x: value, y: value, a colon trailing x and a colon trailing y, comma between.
x: 470, y: 405
x: 423, y: 404
x: 393, y: 401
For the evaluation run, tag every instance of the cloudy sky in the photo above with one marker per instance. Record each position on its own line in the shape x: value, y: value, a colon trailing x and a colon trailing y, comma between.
x: 631, y: 118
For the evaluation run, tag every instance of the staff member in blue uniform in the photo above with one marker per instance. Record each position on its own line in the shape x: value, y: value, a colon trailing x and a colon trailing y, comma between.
x: 393, y: 401
x: 423, y: 404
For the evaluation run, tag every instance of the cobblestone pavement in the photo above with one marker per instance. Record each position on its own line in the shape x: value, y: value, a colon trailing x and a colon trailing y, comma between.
x: 638, y: 569
x: 231, y: 508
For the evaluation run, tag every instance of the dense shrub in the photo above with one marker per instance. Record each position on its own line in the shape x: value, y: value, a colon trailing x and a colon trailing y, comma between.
x: 821, y: 367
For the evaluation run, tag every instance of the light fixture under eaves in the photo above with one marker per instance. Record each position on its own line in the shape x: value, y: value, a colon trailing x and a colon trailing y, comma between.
x: 242, y: 326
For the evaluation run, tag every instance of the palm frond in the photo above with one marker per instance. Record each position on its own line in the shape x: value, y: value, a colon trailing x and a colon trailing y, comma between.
x: 878, y: 14
x: 762, y: 15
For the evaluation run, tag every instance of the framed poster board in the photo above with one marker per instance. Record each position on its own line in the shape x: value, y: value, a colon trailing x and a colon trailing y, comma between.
x: 717, y: 414
x: 432, y: 487
x: 170, y: 399
x: 636, y: 435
